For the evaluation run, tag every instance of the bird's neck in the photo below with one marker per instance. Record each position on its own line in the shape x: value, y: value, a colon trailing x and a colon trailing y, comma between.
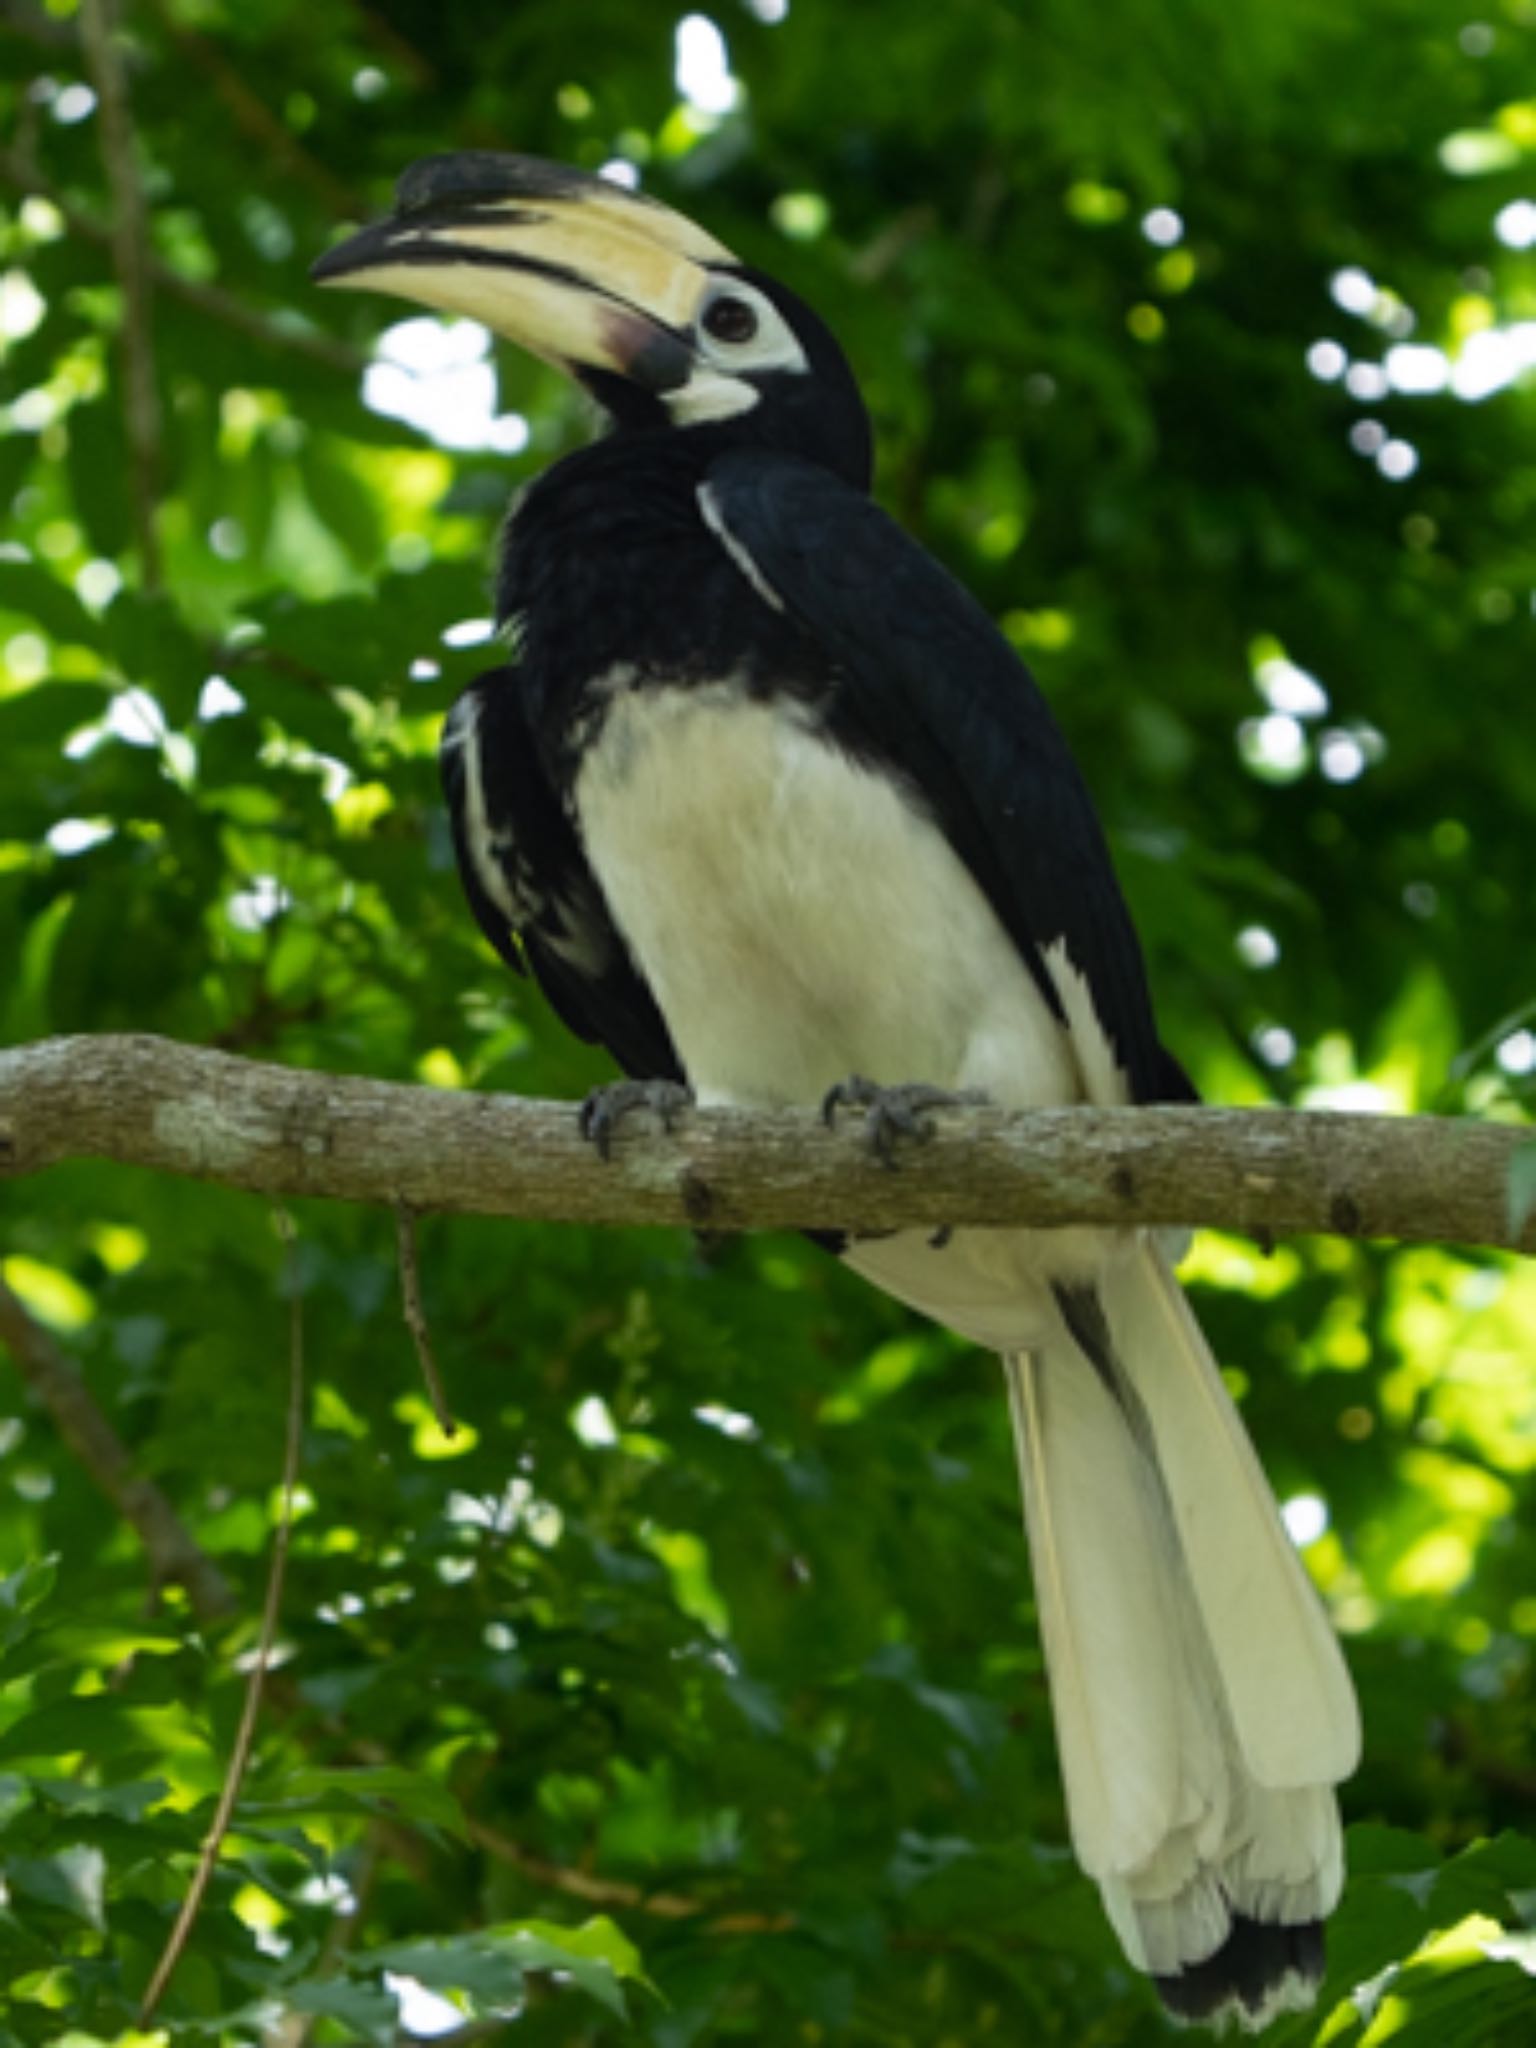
x: 609, y: 569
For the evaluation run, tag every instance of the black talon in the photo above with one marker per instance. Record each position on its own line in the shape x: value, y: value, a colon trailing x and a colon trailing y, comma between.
x: 607, y: 1107
x: 894, y: 1114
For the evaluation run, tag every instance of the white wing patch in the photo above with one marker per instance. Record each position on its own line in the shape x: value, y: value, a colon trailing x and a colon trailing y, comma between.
x: 1105, y: 1082
x: 714, y: 519
x: 498, y: 868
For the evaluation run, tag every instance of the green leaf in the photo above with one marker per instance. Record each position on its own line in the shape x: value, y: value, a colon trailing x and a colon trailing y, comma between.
x: 385, y: 1790
x: 369, y: 2011
x: 32, y: 593
x: 72, y: 1882
x: 487, y: 1967
x: 99, y: 1725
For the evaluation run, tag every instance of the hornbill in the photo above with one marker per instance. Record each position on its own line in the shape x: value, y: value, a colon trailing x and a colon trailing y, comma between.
x: 765, y: 801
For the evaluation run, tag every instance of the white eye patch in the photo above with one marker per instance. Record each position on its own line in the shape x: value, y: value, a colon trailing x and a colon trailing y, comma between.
x: 739, y: 334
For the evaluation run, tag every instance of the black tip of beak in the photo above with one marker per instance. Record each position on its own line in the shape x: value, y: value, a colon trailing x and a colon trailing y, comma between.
x: 357, y: 252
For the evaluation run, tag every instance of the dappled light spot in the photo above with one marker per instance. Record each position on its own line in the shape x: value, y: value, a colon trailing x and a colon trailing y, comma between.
x: 54, y: 1296
x: 436, y: 375
x: 1257, y: 946
x: 728, y: 1421
x: 218, y: 698
x: 1437, y: 1563
x: 77, y: 835
x: 1416, y: 369
x: 469, y: 633
x: 439, y: 1069
x: 1289, y: 689
x: 1515, y: 224
x: 593, y: 1422
x: 26, y: 657
x: 1353, y: 289
x: 1274, y: 748
x: 73, y: 104
x: 802, y: 216
x: 1366, y: 381
x: 429, y: 1439
x: 1341, y: 757
x: 1233, y: 1263
x: 1306, y: 1517
x: 1096, y: 205
x: 263, y: 899
x: 97, y: 583
x: 22, y: 306
x: 1146, y: 323
x: 1493, y: 358
x: 1397, y: 460
x: 423, y: 2013
x: 1275, y: 1046
x: 1475, y: 152
x: 702, y: 66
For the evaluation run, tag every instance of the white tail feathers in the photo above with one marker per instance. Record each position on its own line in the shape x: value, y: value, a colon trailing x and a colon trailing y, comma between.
x: 1202, y: 1706
x: 1280, y: 1663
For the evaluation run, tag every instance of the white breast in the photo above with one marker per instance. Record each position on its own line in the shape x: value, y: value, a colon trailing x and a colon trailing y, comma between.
x: 797, y: 916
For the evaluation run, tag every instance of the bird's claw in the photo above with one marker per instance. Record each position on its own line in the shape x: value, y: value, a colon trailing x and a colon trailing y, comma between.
x: 893, y: 1116
x: 608, y: 1107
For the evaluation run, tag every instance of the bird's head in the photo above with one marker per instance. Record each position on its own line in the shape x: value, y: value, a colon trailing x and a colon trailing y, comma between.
x: 654, y: 316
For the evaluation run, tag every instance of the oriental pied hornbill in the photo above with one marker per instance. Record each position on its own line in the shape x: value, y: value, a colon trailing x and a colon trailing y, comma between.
x: 765, y: 801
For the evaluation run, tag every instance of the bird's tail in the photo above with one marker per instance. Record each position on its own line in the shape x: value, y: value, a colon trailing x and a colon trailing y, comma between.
x: 1203, y: 1709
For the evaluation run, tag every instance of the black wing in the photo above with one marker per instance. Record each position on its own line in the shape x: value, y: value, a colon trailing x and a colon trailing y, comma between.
x: 929, y: 687
x: 529, y: 886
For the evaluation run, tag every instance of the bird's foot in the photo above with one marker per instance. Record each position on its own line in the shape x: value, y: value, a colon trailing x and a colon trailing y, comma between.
x: 894, y: 1116
x: 608, y: 1107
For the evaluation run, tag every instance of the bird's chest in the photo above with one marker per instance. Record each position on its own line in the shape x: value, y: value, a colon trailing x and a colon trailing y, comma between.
x: 795, y: 912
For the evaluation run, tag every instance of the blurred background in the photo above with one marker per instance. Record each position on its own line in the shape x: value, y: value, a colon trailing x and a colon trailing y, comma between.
x: 692, y: 1693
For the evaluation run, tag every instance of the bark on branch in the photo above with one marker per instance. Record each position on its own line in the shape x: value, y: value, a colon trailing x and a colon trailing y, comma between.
x: 281, y: 1131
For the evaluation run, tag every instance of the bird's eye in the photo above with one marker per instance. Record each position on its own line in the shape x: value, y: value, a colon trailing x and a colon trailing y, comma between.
x: 731, y: 319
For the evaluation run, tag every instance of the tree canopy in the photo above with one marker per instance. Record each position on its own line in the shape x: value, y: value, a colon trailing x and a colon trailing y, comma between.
x: 690, y: 1691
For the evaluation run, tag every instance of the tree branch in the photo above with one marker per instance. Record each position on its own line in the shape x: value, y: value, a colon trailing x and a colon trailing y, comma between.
x: 173, y: 1554
x: 130, y: 256
x: 281, y: 1131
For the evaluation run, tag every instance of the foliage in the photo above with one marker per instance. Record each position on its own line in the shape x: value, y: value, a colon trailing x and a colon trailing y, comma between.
x: 691, y: 1692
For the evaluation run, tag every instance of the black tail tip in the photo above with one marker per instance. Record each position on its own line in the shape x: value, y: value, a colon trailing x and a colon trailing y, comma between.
x: 1259, y: 1972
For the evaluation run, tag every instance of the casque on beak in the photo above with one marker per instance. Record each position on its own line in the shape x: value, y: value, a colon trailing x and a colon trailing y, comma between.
x: 573, y: 268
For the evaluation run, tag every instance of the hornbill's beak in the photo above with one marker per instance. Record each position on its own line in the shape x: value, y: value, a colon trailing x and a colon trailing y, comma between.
x: 573, y: 268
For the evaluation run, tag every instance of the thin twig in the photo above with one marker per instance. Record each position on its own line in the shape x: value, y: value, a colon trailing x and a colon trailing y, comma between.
x: 18, y: 169
x: 174, y: 1557
x: 276, y: 143
x: 177, y: 1557
x: 416, y: 1315
x: 245, y: 1734
x: 619, y: 1894
x: 130, y: 250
